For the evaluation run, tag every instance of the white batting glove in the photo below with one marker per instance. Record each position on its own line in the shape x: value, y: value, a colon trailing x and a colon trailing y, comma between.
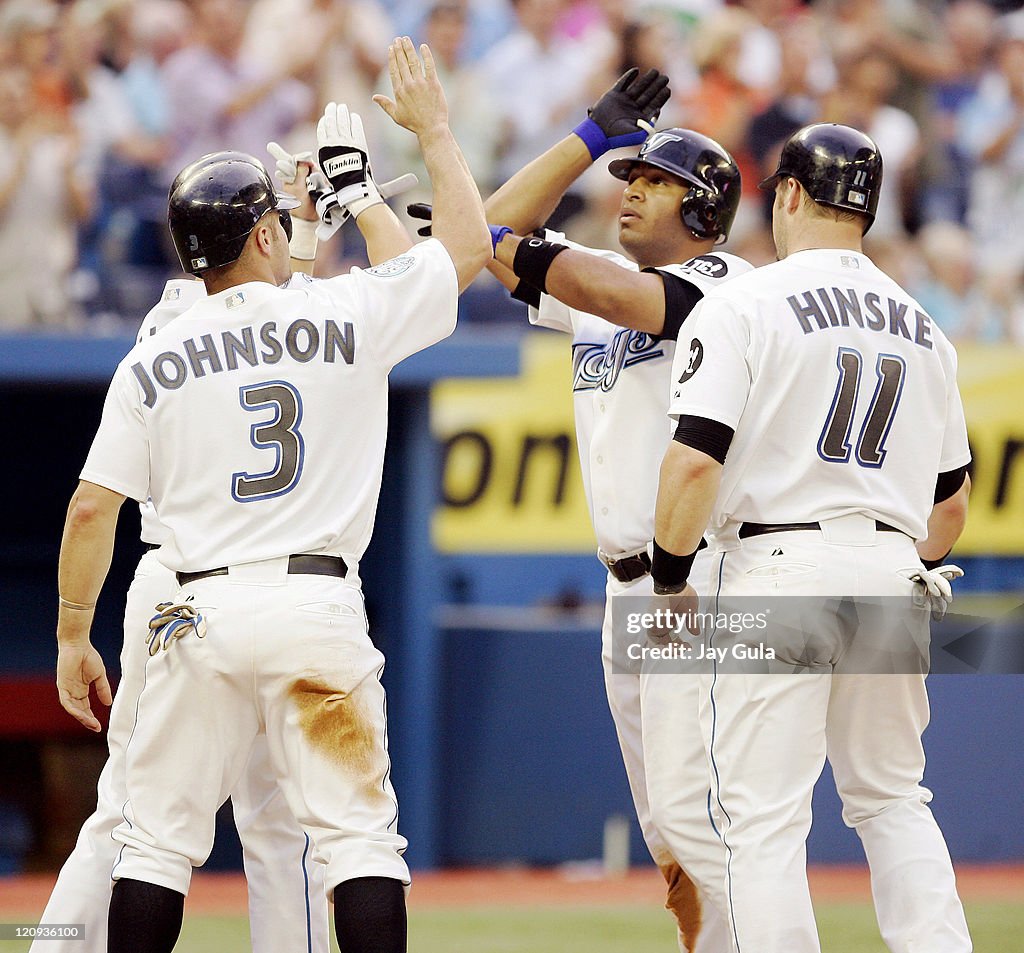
x: 333, y: 216
x: 343, y: 157
x: 932, y: 588
x: 174, y: 620
x: 287, y: 164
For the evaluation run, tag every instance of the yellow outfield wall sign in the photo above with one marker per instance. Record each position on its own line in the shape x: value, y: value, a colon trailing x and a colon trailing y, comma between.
x: 992, y: 385
x: 511, y: 474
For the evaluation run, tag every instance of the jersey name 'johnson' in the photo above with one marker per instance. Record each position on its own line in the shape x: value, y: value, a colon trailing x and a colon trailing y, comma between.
x: 302, y: 340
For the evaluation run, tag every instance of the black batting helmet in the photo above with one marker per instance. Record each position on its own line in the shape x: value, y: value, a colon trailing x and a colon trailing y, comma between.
x: 837, y: 165
x: 710, y: 206
x: 215, y: 203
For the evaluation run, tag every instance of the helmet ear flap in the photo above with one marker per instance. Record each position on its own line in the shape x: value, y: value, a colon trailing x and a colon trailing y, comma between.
x: 699, y: 212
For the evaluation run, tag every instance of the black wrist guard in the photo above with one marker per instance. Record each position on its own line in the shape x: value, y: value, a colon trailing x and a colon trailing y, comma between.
x: 533, y: 259
x: 670, y: 571
x: 934, y: 563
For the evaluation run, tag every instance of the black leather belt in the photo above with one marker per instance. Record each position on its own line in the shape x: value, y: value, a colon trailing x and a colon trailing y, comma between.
x: 301, y: 565
x: 630, y: 567
x: 760, y: 529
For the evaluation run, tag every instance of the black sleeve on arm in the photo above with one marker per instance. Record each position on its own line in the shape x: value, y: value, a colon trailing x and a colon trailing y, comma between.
x: 681, y: 298
x: 949, y: 483
x: 706, y: 435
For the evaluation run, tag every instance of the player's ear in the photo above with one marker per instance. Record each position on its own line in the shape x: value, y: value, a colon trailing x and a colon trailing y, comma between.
x: 792, y: 194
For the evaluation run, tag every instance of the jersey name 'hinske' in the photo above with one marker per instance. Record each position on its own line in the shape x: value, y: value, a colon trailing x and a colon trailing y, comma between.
x: 834, y: 308
x: 303, y: 341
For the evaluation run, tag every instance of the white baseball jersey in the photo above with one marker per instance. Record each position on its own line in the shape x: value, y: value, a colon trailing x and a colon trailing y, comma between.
x: 249, y: 447
x: 826, y: 331
x: 620, y: 397
x: 178, y: 296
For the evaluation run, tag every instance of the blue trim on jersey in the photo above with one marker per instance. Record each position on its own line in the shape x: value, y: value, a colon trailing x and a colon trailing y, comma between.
x: 127, y: 744
x: 714, y: 767
x: 305, y: 884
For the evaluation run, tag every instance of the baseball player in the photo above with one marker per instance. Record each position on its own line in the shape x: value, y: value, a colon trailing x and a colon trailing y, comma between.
x: 624, y: 313
x: 287, y: 905
x: 256, y: 422
x: 820, y: 431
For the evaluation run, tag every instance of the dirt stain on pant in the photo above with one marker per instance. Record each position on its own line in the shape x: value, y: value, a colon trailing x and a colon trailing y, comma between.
x: 336, y: 724
x: 683, y: 902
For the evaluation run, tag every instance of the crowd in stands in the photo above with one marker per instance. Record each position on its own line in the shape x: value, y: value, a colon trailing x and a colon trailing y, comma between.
x: 103, y: 101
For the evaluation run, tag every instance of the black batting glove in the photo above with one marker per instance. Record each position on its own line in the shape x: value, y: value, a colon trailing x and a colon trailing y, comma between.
x: 625, y: 115
x: 423, y: 212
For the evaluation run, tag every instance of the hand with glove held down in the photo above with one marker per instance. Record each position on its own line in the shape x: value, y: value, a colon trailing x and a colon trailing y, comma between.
x: 932, y: 587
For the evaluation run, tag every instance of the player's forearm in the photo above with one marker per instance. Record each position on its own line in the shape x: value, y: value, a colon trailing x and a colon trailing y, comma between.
x: 945, y: 524
x: 527, y: 200
x: 687, y: 489
x: 627, y: 298
x: 384, y: 234
x: 503, y: 273
x: 458, y: 213
x: 85, y: 553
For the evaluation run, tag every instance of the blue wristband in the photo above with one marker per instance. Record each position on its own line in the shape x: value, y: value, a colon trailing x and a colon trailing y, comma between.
x: 598, y: 143
x: 593, y: 138
x: 498, y: 232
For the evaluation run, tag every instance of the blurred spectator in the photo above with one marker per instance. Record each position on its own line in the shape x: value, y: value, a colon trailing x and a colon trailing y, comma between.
x: 108, y: 135
x: 970, y: 27
x: 992, y: 134
x: 42, y: 198
x: 472, y: 112
x: 346, y: 49
x: 488, y: 21
x: 722, y: 105
x: 28, y: 37
x: 861, y: 99
x: 795, y: 105
x: 539, y: 82
x: 910, y: 34
x: 221, y: 98
x: 949, y: 290
x: 760, y: 61
x: 136, y: 252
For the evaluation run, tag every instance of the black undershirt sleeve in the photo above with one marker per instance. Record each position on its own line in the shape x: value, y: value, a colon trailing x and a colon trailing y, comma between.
x: 681, y: 298
x: 949, y: 482
x: 706, y: 435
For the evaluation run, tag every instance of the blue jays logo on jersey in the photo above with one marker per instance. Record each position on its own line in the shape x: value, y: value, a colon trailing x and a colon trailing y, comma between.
x: 597, y: 366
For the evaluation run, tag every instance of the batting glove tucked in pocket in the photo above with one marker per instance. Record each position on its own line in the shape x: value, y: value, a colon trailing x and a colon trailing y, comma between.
x: 174, y: 620
x: 932, y: 587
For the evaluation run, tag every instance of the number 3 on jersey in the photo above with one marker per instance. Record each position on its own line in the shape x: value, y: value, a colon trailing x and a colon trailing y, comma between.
x: 280, y: 434
x: 834, y: 442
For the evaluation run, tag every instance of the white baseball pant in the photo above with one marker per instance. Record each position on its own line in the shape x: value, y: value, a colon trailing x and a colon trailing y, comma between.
x: 287, y: 906
x: 769, y: 734
x: 693, y: 865
x: 287, y: 656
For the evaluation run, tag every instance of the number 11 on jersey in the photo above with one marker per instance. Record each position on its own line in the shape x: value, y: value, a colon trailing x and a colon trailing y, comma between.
x: 834, y: 442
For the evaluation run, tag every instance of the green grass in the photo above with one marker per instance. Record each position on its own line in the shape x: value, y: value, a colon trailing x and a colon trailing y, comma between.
x: 844, y: 928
